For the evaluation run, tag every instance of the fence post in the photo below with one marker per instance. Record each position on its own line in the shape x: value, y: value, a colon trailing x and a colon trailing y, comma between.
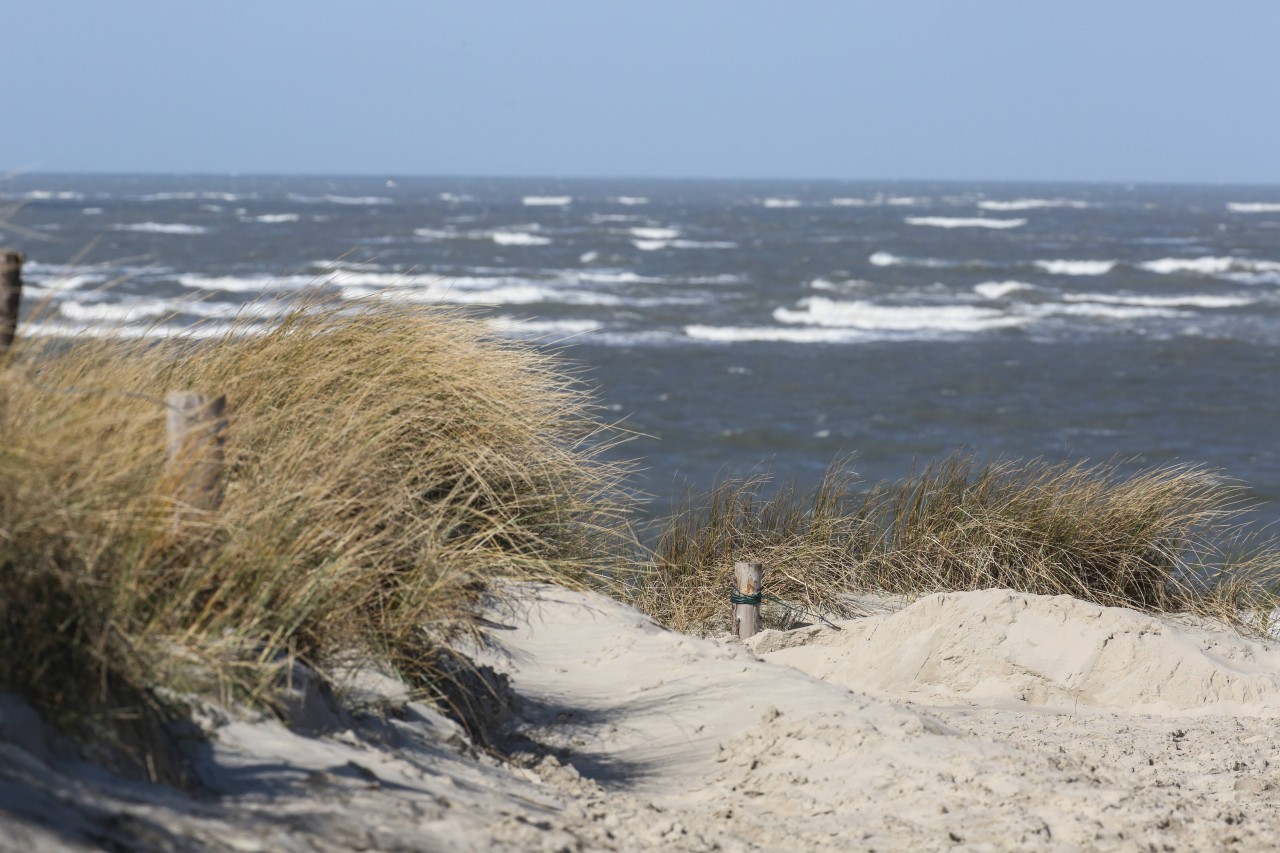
x: 10, y: 297
x: 197, y: 424
x: 746, y: 600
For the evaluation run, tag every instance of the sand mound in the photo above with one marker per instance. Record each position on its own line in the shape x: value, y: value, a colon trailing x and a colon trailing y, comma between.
x: 998, y: 646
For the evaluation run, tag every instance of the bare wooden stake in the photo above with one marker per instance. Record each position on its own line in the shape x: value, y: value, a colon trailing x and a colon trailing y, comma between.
x: 197, y: 424
x: 750, y: 581
x: 10, y: 297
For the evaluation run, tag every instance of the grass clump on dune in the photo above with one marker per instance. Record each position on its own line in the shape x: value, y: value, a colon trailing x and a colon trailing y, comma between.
x: 1166, y: 539
x: 381, y: 464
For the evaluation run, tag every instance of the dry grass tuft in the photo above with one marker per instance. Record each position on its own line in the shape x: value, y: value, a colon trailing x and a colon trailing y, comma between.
x: 381, y: 464
x: 1168, y: 539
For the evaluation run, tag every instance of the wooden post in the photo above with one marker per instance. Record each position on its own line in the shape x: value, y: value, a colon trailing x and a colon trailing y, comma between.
x: 10, y: 297
x: 197, y: 424
x: 750, y: 581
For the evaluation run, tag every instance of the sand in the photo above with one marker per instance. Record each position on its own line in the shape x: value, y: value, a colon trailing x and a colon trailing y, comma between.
x: 969, y: 721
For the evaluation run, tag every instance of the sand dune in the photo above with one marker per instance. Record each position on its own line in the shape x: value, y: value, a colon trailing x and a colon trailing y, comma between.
x: 972, y: 721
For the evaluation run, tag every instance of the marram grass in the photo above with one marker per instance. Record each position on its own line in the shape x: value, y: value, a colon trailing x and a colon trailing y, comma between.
x: 381, y: 465
x: 1166, y: 539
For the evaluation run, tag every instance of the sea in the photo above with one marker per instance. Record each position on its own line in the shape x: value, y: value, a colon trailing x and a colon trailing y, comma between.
x: 745, y: 327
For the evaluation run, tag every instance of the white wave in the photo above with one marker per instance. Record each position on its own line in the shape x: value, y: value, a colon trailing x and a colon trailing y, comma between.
x: 519, y: 238
x: 837, y: 286
x: 905, y: 200
x: 884, y: 259
x: 257, y: 310
x: 849, y: 202
x: 723, y: 278
x: 655, y: 233
x: 456, y: 198
x: 1031, y: 204
x: 249, y: 284
x: 1106, y: 311
x: 868, y: 316
x: 588, y: 257
x: 781, y: 202
x: 629, y: 199
x: 614, y: 277
x: 438, y: 234
x: 774, y: 334
x: 1000, y: 289
x: 162, y: 228
x: 1063, y: 267
x: 114, y: 312
x: 53, y: 195
x: 1194, y: 300
x: 525, y: 328
x: 341, y: 199
x: 963, y: 222
x: 1253, y: 207
x: 651, y: 245
x: 547, y: 200
x: 1204, y: 266
x: 457, y: 292
x: 276, y: 217
x: 603, y: 218
x: 703, y: 244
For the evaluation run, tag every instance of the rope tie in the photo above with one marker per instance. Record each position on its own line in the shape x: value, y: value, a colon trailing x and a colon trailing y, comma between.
x: 736, y: 597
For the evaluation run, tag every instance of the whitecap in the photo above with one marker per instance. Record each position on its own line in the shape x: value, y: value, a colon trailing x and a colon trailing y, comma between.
x: 162, y: 228
x: 655, y: 233
x: 1031, y: 204
x: 53, y: 195
x: 114, y: 312
x: 1253, y: 207
x: 885, y: 259
x: 547, y: 200
x: 341, y: 199
x: 963, y: 222
x: 1107, y: 311
x: 650, y: 245
x: 197, y: 331
x: 905, y: 200
x: 519, y: 238
x: 773, y: 334
x: 1064, y: 267
x: 1202, y: 266
x: 1000, y: 289
x: 629, y: 199
x: 276, y: 217
x: 781, y: 202
x: 527, y: 328
x: 868, y: 316
x: 588, y: 257
x: 456, y: 198
x: 248, y: 284
x: 849, y: 202
x: 1193, y: 300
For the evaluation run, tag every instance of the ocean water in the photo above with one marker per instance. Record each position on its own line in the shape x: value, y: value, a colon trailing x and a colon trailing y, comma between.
x: 737, y: 326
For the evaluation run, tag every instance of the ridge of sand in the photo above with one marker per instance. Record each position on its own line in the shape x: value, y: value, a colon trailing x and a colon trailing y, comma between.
x: 997, y: 646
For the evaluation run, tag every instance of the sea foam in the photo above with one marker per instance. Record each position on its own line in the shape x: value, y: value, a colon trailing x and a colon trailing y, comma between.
x: 964, y: 222
x: 162, y: 228
x: 547, y: 200
x: 1030, y: 204
x: 868, y: 316
x: 1253, y: 207
x: 1063, y: 267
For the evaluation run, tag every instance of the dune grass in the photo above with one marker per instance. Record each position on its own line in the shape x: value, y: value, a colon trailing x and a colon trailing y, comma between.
x: 1165, y: 539
x: 382, y: 464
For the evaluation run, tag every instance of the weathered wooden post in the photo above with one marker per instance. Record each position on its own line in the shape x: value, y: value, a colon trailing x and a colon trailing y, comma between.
x: 746, y: 598
x: 10, y: 297
x: 197, y: 424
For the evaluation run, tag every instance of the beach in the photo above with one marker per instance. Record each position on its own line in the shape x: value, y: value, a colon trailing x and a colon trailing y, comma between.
x: 987, y: 720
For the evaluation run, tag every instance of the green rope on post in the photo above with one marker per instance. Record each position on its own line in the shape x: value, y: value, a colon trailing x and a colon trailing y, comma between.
x: 736, y: 597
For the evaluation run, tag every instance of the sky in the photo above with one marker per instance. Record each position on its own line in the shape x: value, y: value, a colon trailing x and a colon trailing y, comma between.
x: 1085, y: 90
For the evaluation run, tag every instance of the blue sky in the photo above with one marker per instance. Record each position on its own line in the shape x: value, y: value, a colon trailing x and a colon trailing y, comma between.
x: 1127, y: 90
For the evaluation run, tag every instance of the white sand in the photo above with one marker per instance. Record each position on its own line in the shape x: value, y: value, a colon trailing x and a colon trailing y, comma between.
x: 972, y: 721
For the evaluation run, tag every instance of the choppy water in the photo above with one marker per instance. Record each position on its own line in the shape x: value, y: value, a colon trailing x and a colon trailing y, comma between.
x: 741, y: 323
